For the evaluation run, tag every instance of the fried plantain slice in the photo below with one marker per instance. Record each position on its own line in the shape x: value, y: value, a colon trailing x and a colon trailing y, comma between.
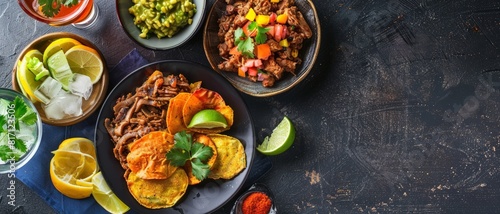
x: 158, y: 193
x: 231, y: 157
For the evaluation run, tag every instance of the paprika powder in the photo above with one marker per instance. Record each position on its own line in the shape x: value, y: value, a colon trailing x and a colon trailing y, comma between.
x: 256, y: 203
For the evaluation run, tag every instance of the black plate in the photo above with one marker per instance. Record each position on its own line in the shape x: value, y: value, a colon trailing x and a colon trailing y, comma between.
x: 206, y: 196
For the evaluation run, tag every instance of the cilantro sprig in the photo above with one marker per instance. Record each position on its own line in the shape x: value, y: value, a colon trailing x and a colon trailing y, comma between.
x: 186, y: 150
x: 10, y: 125
x: 245, y: 44
x: 50, y: 8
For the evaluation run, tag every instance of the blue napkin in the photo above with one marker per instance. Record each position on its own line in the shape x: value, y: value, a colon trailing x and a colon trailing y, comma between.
x: 35, y: 174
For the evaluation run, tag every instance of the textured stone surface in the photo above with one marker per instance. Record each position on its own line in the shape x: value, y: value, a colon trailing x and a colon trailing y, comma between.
x: 400, y: 113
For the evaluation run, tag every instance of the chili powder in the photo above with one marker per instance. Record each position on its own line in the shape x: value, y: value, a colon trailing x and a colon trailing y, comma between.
x: 256, y: 203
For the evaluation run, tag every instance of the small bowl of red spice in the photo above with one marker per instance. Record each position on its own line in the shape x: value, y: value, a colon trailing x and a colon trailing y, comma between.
x: 258, y: 199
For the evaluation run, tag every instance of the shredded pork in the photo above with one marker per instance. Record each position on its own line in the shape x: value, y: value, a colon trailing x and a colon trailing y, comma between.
x: 142, y: 112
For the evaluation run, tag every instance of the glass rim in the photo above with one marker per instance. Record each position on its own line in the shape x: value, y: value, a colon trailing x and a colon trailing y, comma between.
x: 27, y: 8
x: 7, y: 166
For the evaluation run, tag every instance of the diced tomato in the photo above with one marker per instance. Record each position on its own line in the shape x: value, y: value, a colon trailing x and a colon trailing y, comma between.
x: 278, y: 32
x: 258, y: 63
x: 270, y: 30
x: 249, y: 63
x: 272, y: 18
x: 247, y: 32
x: 253, y: 71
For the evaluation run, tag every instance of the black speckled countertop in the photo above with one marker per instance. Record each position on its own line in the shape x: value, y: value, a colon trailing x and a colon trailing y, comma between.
x: 399, y: 114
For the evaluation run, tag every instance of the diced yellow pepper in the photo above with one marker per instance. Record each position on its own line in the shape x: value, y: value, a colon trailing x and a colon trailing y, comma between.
x: 251, y: 15
x: 282, y: 18
x: 262, y: 20
x: 284, y: 43
x: 275, y: 1
x: 295, y: 52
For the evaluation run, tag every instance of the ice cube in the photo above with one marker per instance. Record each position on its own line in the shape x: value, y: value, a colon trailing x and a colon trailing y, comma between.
x: 81, y: 86
x: 48, y: 89
x: 62, y: 105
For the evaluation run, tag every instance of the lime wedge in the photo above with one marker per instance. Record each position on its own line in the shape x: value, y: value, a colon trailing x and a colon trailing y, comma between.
x: 59, y: 68
x: 281, y: 139
x: 207, y: 119
x: 36, y: 66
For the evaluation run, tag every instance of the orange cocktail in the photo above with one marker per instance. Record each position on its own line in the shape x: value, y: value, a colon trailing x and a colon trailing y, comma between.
x: 79, y: 13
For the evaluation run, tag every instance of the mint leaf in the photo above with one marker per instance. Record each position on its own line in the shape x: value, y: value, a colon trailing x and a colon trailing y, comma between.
x: 200, y: 170
x: 201, y: 152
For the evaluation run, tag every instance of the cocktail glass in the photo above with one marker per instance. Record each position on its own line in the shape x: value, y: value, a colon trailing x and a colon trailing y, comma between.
x: 79, y: 13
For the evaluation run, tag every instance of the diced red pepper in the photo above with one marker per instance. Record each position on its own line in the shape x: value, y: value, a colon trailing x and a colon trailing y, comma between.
x: 253, y: 71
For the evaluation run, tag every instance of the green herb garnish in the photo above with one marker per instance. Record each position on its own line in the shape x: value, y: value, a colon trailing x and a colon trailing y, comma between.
x: 50, y: 8
x: 186, y: 150
x: 261, y: 36
x: 16, y: 112
x: 245, y: 44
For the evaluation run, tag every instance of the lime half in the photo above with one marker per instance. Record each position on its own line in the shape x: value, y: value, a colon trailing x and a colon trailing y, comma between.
x: 281, y: 139
x: 207, y: 119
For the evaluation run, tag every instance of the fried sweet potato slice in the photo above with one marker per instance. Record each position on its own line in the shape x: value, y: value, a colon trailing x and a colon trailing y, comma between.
x: 175, y: 122
x: 147, y: 157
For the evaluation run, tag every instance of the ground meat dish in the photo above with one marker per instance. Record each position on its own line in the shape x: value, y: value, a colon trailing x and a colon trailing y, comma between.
x: 284, y: 44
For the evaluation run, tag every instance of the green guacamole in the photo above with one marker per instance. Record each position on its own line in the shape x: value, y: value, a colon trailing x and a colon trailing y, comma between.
x: 163, y: 18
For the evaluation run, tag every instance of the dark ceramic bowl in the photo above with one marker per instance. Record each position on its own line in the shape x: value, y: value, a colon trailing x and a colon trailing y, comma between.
x: 237, y: 207
x: 127, y: 22
x: 308, y: 53
x: 99, y: 89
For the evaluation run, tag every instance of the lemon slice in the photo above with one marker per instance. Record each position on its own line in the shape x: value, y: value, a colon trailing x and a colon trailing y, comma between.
x: 208, y: 118
x: 63, y: 44
x: 85, y: 60
x: 71, y: 172
x: 78, y: 144
x: 26, y: 78
x: 281, y: 139
x: 105, y: 197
